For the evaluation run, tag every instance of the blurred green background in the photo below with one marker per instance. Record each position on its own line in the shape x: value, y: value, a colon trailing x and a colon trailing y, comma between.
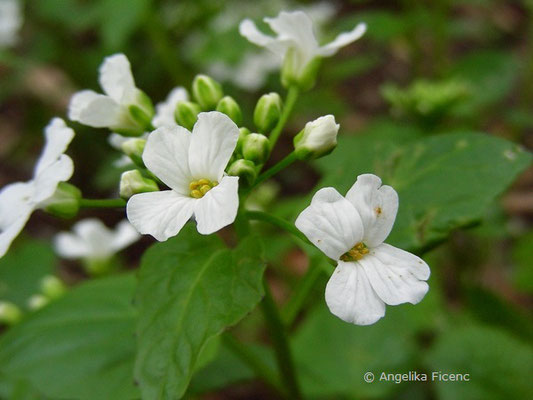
x: 424, y: 69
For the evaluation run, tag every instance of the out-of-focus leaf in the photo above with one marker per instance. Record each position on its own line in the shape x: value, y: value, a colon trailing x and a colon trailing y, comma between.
x: 80, y: 346
x: 190, y: 288
x: 499, y: 365
x: 120, y: 19
x: 523, y: 257
x: 22, y: 269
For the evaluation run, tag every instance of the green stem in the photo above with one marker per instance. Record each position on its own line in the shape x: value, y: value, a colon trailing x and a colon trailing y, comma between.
x: 275, y: 169
x: 246, y: 355
x: 279, y: 222
x: 281, y: 345
x: 292, y: 96
x: 102, y: 203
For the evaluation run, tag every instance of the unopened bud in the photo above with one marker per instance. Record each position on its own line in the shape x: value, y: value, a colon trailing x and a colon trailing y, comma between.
x: 37, y: 301
x: 137, y: 117
x: 256, y: 148
x: 134, y: 148
x: 267, y: 112
x: 293, y: 73
x: 243, y: 132
x: 317, y: 139
x: 245, y: 170
x: 52, y: 287
x: 206, y: 91
x: 10, y: 313
x: 132, y: 182
x: 229, y: 106
x: 187, y: 113
x: 65, y: 202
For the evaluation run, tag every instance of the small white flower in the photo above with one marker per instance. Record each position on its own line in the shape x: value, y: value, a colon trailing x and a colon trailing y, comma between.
x: 10, y: 21
x: 164, y: 115
x: 192, y: 166
x: 18, y: 200
x: 114, y: 108
x: 295, y: 33
x: 92, y: 240
x: 369, y: 273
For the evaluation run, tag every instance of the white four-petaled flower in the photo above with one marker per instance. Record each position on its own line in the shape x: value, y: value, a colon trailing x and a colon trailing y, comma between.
x: 18, y: 200
x: 11, y: 20
x: 91, y: 239
x: 112, y: 109
x: 192, y: 166
x: 369, y: 273
x: 295, y: 34
x: 164, y: 115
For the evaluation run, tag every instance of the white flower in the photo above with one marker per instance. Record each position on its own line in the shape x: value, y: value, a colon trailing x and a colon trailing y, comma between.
x: 318, y: 138
x: 295, y: 33
x: 92, y: 240
x: 18, y: 200
x: 369, y: 273
x: 10, y: 22
x: 192, y: 166
x: 164, y: 115
x: 123, y: 108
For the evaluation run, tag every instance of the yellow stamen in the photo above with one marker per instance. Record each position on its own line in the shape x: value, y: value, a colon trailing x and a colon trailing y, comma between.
x: 196, y: 194
x: 200, y: 187
x: 355, y: 253
x: 193, y: 185
x: 204, y: 189
x: 204, y: 181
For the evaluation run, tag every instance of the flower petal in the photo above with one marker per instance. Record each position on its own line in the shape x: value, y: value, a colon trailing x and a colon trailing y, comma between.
x: 47, y: 180
x: 15, y: 209
x: 218, y: 208
x: 342, y: 40
x: 58, y: 136
x: 396, y: 275
x: 331, y: 223
x: 124, y: 235
x: 116, y: 79
x: 213, y: 141
x: 377, y: 205
x: 93, y: 109
x: 160, y: 214
x: 295, y: 26
x: 248, y: 29
x: 166, y: 155
x: 164, y: 115
x: 70, y: 246
x: 350, y: 296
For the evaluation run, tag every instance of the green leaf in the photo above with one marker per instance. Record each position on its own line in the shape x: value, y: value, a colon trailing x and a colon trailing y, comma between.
x: 444, y: 182
x: 190, y: 289
x: 119, y: 19
x: 523, y: 258
x: 499, y: 365
x: 22, y: 269
x: 78, y: 347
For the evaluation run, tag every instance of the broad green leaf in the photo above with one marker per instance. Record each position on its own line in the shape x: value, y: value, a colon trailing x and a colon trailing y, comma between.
x: 22, y: 269
x: 444, y: 182
x: 499, y: 365
x: 79, y: 347
x: 190, y: 289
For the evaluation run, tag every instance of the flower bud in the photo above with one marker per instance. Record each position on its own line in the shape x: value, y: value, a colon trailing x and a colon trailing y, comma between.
x: 229, y: 106
x: 206, y: 91
x: 293, y: 73
x: 317, y: 139
x: 256, y: 148
x: 136, y: 118
x: 10, y: 313
x: 132, y: 182
x: 52, y: 287
x: 37, y: 301
x: 187, y: 113
x: 243, y: 132
x: 267, y: 112
x: 245, y: 170
x: 134, y: 148
x: 65, y: 202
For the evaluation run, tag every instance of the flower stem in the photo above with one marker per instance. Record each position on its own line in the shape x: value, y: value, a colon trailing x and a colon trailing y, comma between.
x: 292, y: 96
x: 281, y: 344
x: 102, y: 203
x: 275, y: 169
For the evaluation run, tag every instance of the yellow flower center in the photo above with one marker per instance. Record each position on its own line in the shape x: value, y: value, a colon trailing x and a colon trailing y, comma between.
x: 200, y: 187
x: 355, y: 253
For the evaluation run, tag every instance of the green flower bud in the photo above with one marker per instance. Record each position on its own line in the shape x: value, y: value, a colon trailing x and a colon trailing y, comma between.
x: 243, y: 132
x: 317, y: 139
x: 98, y: 267
x: 52, y: 287
x: 10, y: 313
x: 256, y: 148
x: 134, y: 148
x: 267, y: 112
x: 229, y: 106
x: 291, y: 74
x: 37, y: 301
x: 187, y: 113
x: 206, y: 91
x: 245, y: 170
x: 132, y: 182
x: 65, y: 203
x: 137, y: 117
